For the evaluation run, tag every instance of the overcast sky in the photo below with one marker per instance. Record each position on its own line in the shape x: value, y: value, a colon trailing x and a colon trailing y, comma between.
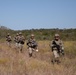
x: 36, y: 14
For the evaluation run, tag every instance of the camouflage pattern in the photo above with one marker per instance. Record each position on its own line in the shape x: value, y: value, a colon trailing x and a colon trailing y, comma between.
x: 57, y: 47
x: 32, y: 45
x: 8, y: 39
x: 16, y: 39
x: 21, y: 41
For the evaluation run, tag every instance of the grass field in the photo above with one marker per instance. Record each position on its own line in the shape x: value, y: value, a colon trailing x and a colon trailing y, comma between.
x: 14, y: 63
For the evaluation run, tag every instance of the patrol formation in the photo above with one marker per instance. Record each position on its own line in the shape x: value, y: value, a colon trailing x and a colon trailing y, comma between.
x: 56, y: 45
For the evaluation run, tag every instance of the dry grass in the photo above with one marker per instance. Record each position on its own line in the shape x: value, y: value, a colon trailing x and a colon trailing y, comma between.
x: 14, y: 63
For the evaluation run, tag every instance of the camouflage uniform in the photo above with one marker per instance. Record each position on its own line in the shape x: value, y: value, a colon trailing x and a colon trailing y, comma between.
x: 21, y: 41
x: 57, y: 48
x: 8, y: 39
x: 16, y: 39
x: 32, y: 45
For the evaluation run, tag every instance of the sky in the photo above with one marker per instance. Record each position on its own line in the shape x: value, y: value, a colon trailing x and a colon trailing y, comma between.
x: 37, y: 14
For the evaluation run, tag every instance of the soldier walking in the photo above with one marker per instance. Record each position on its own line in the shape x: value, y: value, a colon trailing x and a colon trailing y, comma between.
x: 57, y: 48
x: 21, y: 41
x: 16, y: 39
x: 8, y: 40
x: 32, y: 45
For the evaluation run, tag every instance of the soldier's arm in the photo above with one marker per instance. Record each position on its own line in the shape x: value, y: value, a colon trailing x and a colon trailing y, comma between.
x: 52, y: 43
x: 62, y: 48
x: 28, y: 42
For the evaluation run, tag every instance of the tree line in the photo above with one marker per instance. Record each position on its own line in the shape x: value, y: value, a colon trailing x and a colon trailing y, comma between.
x: 42, y: 34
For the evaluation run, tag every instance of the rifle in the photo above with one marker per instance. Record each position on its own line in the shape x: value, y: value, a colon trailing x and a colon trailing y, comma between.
x: 60, y: 50
x: 32, y: 44
x: 57, y: 46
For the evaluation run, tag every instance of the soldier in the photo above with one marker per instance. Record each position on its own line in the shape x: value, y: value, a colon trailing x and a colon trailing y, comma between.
x: 32, y: 45
x: 21, y: 41
x: 57, y: 48
x: 16, y: 39
x: 8, y: 39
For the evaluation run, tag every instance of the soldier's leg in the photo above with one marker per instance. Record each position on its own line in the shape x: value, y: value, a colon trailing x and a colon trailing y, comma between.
x: 56, y: 56
x: 58, y: 60
x: 16, y: 45
x: 9, y: 43
x: 21, y: 48
x: 53, y: 58
x: 30, y: 51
